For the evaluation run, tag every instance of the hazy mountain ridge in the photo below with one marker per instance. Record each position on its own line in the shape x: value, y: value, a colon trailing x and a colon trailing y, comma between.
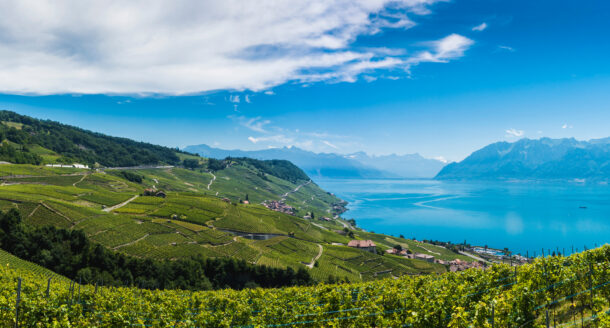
x: 543, y: 158
x: 356, y: 165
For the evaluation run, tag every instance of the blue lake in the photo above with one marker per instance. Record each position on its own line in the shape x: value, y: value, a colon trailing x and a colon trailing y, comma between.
x: 523, y: 216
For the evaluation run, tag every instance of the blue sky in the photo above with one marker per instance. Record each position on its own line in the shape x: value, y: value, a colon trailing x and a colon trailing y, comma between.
x: 441, y: 78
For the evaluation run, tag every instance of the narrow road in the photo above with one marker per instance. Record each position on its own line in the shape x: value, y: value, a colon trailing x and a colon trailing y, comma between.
x: 212, y: 181
x: 139, y: 167
x: 112, y: 208
x: 474, y: 257
x: 429, y: 250
x: 295, y: 189
x: 56, y: 212
x: 131, y: 242
x: 81, y: 180
x: 313, y: 261
x: 345, y: 225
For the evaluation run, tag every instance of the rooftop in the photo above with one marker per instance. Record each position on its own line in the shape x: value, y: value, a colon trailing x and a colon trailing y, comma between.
x: 361, y: 243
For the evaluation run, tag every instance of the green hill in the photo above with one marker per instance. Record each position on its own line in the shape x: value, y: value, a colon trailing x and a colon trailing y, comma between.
x: 212, y: 208
x: 194, y: 220
x: 26, y: 140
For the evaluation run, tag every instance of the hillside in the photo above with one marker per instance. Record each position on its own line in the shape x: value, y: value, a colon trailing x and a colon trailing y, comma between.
x: 194, y: 220
x: 329, y: 165
x: 216, y: 209
x: 555, y: 290
x: 12, y: 262
x: 26, y: 140
x: 545, y: 158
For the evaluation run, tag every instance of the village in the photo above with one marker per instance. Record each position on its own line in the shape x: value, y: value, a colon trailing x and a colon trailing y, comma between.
x: 453, y: 265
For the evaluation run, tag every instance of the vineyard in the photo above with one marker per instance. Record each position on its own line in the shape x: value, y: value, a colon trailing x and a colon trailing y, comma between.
x: 550, y: 292
x: 192, y: 220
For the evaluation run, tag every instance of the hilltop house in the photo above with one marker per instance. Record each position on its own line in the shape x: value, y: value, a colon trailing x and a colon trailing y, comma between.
x: 365, y: 245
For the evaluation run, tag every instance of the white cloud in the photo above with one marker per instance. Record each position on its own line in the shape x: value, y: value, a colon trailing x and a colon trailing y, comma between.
x: 188, y: 46
x: 280, y: 138
x: 480, y: 27
x: 441, y: 159
x: 256, y: 124
x: 326, y: 142
x: 449, y: 47
x: 515, y: 133
x: 566, y: 126
x: 506, y: 48
x: 247, y: 99
x: 234, y: 99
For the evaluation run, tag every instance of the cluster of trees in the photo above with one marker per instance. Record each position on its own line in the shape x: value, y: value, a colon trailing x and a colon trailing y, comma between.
x: 133, y: 177
x: 191, y: 163
x: 70, y: 253
x: 22, y: 155
x: 78, y: 145
x: 278, y: 168
x: 216, y: 165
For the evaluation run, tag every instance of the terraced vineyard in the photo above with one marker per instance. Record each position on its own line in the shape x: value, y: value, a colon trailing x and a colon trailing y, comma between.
x: 192, y: 220
x: 13, y: 263
x: 558, y: 291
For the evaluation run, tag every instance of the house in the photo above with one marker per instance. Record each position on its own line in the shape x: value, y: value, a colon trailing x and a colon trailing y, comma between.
x: 75, y: 165
x: 424, y: 257
x: 152, y: 192
x: 365, y: 245
x: 148, y: 192
x: 246, y: 202
x: 279, y: 206
x: 394, y: 251
x: 459, y: 265
x: 325, y: 218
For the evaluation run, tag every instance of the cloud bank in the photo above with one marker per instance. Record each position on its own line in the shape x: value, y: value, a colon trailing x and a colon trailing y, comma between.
x: 515, y: 133
x: 188, y: 46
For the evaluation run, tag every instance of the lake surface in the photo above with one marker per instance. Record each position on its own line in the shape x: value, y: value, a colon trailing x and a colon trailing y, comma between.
x: 523, y: 216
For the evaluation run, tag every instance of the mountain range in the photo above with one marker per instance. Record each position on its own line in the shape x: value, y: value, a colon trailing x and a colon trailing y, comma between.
x: 543, y: 158
x: 330, y: 165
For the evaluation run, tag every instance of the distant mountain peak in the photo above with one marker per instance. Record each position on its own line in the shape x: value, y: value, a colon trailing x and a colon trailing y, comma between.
x: 354, y: 165
x: 544, y: 158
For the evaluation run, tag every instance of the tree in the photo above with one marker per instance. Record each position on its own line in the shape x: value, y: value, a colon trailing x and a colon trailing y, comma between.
x: 190, y: 163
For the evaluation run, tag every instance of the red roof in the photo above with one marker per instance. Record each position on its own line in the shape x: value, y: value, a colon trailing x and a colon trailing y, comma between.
x: 361, y: 243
